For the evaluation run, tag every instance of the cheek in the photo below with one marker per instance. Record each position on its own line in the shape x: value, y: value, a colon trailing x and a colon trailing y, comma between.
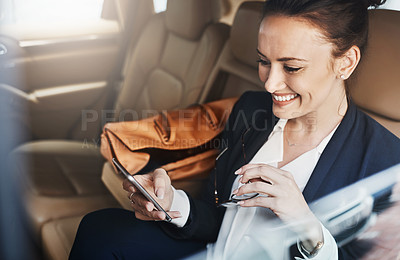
x: 306, y: 89
x: 312, y: 88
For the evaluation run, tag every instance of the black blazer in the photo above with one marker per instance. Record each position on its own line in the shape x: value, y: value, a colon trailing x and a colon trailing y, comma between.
x: 359, y: 148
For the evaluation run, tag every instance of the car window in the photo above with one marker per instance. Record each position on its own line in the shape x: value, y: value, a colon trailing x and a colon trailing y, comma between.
x: 160, y: 5
x: 45, y: 11
x: 391, y: 4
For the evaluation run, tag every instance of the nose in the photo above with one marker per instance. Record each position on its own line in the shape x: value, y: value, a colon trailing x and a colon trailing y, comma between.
x: 274, y: 80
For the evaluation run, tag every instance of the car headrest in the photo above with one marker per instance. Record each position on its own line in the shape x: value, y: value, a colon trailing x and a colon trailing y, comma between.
x: 188, y: 18
x: 375, y: 85
x: 244, y: 32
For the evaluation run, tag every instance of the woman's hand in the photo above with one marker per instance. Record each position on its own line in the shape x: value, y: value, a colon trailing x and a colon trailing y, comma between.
x: 281, y: 195
x: 158, y: 184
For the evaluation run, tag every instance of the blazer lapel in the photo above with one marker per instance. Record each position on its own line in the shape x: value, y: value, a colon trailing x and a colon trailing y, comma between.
x: 328, y: 157
x: 252, y: 139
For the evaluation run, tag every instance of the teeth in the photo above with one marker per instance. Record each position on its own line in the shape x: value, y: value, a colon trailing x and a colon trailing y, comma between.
x: 285, y: 98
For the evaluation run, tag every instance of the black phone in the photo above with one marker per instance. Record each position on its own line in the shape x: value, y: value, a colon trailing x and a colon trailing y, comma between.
x: 141, y: 188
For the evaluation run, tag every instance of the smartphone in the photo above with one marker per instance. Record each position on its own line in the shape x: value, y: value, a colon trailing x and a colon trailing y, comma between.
x: 141, y: 188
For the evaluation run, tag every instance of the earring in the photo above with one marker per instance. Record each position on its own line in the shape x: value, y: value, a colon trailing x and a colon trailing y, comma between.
x: 342, y: 76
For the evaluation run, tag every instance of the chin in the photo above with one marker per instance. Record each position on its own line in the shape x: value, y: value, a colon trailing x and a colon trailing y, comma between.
x: 284, y: 113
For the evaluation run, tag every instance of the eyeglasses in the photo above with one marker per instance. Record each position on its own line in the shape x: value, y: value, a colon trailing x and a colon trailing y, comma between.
x: 234, y: 199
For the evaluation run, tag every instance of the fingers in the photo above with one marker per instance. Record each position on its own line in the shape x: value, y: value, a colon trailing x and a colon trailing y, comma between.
x: 126, y: 185
x: 157, y: 215
x: 266, y: 172
x: 139, y: 202
x: 145, y: 210
x: 259, y: 201
x: 143, y: 207
x: 258, y: 187
x: 161, y: 181
x: 246, y: 167
x: 158, y: 185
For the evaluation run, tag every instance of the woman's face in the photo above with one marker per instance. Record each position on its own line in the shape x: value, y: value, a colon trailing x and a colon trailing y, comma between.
x: 297, y: 68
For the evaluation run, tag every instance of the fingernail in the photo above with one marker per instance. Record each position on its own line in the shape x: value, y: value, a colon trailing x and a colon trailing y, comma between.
x: 240, y: 202
x: 131, y: 188
x: 241, y: 180
x: 238, y: 171
x: 235, y: 191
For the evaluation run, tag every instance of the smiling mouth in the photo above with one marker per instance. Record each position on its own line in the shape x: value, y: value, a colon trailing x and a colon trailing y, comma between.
x: 284, y: 98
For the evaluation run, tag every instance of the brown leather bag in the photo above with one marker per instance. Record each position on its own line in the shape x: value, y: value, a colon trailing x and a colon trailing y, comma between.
x: 183, y: 142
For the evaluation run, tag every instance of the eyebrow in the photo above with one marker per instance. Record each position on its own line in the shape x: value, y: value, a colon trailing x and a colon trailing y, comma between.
x: 282, y: 59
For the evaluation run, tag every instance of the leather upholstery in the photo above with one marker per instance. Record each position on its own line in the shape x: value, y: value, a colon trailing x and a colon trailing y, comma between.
x: 167, y: 68
x: 244, y: 35
x: 168, y: 56
x: 61, y: 179
x: 181, y: 66
x: 59, y: 236
x: 240, y: 75
x: 188, y: 18
x: 375, y: 84
x: 236, y: 69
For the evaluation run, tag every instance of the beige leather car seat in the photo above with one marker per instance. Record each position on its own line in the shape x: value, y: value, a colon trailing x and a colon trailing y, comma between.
x: 234, y: 73
x: 172, y: 61
x: 236, y: 70
x: 375, y: 86
x: 240, y: 72
x: 58, y: 235
x: 167, y: 69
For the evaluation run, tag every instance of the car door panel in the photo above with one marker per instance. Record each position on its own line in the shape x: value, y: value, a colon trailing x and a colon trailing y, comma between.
x: 57, y: 78
x: 60, y: 103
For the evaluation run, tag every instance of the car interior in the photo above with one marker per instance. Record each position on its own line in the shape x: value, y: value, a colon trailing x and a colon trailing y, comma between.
x: 66, y: 81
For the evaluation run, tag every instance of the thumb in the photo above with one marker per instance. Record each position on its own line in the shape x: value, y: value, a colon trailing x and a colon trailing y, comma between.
x: 161, y: 180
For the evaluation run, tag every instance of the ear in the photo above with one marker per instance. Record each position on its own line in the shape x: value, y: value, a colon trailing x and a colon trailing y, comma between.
x: 348, y: 62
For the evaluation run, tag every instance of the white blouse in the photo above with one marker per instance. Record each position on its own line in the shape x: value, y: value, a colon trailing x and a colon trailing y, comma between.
x: 256, y: 232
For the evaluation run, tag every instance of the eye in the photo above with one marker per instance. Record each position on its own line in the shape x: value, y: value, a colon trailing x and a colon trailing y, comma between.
x: 292, y: 69
x: 263, y: 62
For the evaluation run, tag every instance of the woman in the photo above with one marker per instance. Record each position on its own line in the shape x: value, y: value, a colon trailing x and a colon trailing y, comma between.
x: 294, y: 143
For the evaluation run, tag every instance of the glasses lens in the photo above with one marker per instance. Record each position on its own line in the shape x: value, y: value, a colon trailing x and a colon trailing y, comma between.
x: 244, y: 196
x: 235, y: 199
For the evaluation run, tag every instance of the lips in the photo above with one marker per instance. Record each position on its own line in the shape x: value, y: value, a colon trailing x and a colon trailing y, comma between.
x: 284, y: 97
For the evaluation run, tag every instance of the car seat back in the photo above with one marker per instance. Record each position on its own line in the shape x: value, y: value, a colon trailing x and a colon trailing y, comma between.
x: 375, y: 85
x: 236, y: 69
x: 172, y: 60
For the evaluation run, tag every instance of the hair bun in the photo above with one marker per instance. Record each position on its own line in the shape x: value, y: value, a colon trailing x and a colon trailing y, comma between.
x: 373, y: 3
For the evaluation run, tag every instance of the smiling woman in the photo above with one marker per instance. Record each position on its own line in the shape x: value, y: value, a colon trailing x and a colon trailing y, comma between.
x: 314, y: 141
x: 297, y: 68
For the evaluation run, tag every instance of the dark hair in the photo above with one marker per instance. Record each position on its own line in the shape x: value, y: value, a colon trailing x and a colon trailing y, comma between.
x: 343, y: 22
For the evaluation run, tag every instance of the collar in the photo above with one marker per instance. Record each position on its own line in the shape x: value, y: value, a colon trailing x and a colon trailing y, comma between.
x: 275, y: 143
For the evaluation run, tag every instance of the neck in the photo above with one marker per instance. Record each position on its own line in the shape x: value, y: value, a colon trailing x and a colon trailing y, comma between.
x: 313, y: 127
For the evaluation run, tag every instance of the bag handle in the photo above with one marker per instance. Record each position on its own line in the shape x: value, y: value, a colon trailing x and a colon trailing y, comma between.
x: 163, y: 129
x: 210, y: 116
x: 168, y: 135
